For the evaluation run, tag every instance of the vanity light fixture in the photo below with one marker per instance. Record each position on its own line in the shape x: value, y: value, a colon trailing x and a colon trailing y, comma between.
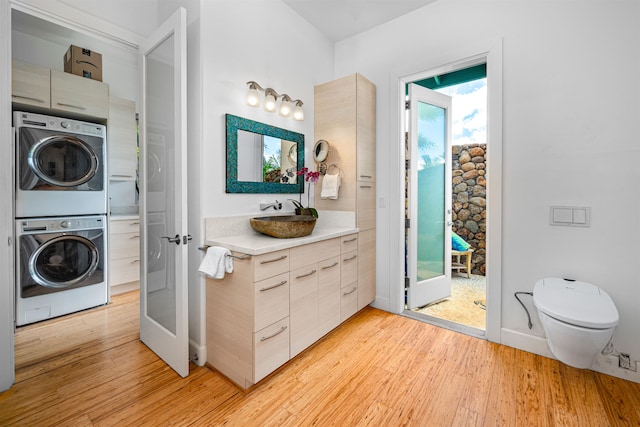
x: 271, y: 101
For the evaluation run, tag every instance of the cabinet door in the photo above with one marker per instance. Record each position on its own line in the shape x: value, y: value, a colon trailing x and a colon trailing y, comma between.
x: 303, y: 309
x: 366, y: 214
x: 328, y: 295
x: 30, y: 85
x: 79, y: 95
x: 366, y: 268
x: 123, y: 139
x: 366, y: 129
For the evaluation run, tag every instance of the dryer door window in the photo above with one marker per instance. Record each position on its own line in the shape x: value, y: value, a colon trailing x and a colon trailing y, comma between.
x: 63, y: 161
x: 64, y: 262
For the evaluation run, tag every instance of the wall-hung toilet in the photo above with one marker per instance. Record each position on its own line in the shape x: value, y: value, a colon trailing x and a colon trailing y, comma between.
x: 578, y: 319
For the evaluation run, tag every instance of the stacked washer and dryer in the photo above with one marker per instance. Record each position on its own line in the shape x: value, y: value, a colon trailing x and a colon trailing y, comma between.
x: 60, y: 216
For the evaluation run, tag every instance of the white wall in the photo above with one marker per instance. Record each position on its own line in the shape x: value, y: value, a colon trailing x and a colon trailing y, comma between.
x: 570, y: 99
x: 261, y: 40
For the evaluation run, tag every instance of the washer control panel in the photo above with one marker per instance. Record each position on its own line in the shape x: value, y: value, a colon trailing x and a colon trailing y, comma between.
x: 35, y: 225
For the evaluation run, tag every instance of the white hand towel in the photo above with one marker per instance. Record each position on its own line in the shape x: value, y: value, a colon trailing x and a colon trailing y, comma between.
x: 330, y: 186
x: 216, y: 262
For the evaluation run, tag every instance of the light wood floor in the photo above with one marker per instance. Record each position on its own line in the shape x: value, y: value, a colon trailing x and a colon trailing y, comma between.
x: 377, y: 369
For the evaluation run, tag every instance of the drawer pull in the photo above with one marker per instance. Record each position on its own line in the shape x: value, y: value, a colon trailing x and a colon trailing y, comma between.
x: 284, y: 282
x: 282, y: 329
x: 351, y: 259
x: 79, y: 107
x: 115, y: 175
x: 273, y: 260
x: 366, y: 176
x: 135, y: 237
x: 307, y: 275
x: 135, y: 261
x: 349, y: 292
x: 365, y: 186
x: 330, y: 266
x: 135, y: 223
x: 28, y: 98
x: 350, y: 240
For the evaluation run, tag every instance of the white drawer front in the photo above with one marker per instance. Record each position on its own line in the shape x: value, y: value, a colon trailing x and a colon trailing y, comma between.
x: 124, y: 226
x: 124, y: 245
x: 124, y: 270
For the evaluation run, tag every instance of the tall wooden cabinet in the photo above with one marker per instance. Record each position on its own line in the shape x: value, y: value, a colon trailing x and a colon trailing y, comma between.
x: 345, y: 116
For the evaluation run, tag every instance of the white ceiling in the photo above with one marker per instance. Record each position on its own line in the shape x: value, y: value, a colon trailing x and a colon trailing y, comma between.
x: 341, y: 19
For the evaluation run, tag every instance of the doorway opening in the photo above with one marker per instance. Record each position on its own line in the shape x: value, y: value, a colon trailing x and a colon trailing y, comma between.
x: 463, y: 306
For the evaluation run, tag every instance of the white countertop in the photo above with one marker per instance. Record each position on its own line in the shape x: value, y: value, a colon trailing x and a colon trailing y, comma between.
x: 255, y: 243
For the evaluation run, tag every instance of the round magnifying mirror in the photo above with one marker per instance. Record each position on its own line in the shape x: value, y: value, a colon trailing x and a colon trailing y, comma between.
x: 321, y: 151
x: 293, y: 154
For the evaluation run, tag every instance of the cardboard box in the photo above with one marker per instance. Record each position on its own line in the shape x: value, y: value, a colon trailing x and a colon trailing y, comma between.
x: 83, y: 62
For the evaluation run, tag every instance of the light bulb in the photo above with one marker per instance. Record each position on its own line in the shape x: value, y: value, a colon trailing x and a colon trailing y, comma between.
x: 298, y: 112
x: 253, y: 98
x: 285, y: 106
x: 270, y: 100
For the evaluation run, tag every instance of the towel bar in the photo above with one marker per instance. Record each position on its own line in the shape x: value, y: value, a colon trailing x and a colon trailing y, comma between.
x: 240, y: 257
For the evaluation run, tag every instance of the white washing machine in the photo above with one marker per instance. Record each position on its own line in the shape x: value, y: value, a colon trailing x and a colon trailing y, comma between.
x: 61, y: 266
x: 60, y: 167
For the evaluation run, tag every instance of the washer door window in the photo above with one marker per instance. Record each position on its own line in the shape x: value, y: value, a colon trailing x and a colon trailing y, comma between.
x: 59, y: 161
x: 61, y: 263
x: 63, y: 161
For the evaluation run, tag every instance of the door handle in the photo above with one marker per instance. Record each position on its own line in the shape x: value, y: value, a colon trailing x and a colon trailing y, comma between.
x: 175, y: 240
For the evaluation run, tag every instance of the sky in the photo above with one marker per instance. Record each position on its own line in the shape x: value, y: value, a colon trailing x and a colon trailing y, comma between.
x: 469, y: 106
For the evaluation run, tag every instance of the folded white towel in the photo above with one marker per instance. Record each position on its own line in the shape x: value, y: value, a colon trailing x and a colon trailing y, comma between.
x: 216, y: 262
x: 330, y: 186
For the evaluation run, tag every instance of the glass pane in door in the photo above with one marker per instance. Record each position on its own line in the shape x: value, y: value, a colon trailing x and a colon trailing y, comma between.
x: 160, y: 174
x: 431, y: 191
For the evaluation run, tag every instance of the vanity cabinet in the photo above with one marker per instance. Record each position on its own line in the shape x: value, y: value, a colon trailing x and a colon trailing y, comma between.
x: 124, y: 254
x: 275, y: 305
x: 345, y: 116
x: 248, y: 318
x: 122, y: 139
x: 44, y: 88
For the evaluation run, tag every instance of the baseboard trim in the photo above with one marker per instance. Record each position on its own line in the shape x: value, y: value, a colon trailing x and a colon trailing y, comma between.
x: 197, y: 353
x: 538, y: 345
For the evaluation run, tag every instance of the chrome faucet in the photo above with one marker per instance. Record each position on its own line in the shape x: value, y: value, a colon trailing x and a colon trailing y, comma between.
x: 276, y: 206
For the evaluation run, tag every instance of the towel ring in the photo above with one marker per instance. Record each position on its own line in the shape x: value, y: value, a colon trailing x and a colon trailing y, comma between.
x: 324, y: 169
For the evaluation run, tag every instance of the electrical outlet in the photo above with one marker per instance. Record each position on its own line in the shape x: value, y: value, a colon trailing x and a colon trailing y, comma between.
x: 624, y: 361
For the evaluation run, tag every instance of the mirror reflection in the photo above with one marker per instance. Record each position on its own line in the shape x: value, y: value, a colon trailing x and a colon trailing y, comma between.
x: 262, y: 158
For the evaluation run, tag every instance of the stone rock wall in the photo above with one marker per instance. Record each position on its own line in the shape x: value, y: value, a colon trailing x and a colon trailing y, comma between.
x: 469, y: 198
